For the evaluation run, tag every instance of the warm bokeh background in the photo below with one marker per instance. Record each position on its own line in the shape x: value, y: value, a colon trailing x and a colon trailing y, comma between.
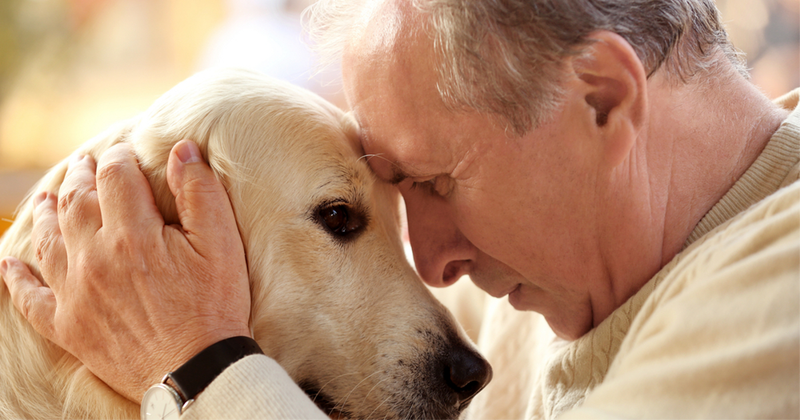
x: 70, y: 68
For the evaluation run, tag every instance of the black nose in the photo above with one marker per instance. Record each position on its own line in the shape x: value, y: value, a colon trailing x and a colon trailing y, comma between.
x: 466, y: 373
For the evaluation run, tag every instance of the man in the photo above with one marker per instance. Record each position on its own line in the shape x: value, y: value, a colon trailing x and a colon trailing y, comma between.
x: 603, y: 163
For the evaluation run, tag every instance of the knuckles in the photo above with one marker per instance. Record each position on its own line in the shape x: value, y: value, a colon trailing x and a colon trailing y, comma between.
x: 45, y: 251
x: 25, y: 302
x: 112, y: 169
x: 71, y: 202
x: 206, y: 184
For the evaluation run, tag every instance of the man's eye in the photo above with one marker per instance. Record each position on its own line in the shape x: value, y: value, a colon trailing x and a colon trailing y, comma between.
x: 429, y: 185
x: 437, y: 186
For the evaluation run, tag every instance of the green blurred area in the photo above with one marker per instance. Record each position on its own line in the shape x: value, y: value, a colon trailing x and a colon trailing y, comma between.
x: 27, y: 30
x: 12, y: 40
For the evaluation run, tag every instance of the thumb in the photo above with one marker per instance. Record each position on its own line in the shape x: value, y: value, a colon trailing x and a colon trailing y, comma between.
x: 204, y: 208
x: 32, y: 299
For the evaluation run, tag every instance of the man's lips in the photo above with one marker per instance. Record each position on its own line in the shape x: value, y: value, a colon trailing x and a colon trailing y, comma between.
x: 507, y: 292
x: 515, y: 296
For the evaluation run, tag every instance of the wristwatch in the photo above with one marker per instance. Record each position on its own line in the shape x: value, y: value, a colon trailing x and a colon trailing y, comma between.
x: 164, y: 401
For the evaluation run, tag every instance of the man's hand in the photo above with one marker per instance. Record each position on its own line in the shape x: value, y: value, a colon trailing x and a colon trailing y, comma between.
x: 130, y: 297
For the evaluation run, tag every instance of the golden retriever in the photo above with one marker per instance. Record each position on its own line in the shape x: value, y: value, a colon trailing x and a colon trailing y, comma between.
x: 335, y: 302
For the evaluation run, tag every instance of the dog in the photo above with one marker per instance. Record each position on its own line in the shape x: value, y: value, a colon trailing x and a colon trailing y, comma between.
x: 334, y: 300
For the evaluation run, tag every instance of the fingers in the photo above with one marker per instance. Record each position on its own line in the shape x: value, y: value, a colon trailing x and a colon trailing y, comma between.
x: 35, y: 301
x: 123, y: 192
x: 78, y: 208
x: 47, y: 240
x: 203, y: 205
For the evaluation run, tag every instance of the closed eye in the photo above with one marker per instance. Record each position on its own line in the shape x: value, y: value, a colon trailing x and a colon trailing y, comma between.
x: 439, y: 185
x: 429, y: 185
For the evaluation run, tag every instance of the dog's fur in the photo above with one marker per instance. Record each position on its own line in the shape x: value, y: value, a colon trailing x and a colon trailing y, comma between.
x: 345, y: 315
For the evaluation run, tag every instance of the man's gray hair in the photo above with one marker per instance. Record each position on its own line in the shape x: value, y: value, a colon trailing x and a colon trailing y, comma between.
x: 505, y: 57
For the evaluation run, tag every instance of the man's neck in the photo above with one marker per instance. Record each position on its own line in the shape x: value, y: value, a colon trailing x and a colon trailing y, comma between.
x: 702, y: 137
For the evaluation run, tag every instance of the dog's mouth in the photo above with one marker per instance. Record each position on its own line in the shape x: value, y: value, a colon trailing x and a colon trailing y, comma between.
x: 326, y: 404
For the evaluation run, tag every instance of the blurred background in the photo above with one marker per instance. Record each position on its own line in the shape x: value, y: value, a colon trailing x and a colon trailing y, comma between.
x: 70, y: 68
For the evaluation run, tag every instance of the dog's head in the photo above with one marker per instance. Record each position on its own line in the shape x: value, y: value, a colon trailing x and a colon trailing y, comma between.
x: 334, y: 300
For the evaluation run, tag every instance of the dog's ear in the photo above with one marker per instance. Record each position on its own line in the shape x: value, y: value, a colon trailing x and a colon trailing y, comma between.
x: 190, y: 111
x: 152, y: 153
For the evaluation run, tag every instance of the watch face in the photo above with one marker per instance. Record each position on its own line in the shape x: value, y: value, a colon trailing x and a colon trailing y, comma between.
x: 162, y: 403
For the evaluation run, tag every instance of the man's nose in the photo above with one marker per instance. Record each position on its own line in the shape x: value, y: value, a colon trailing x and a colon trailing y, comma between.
x: 441, y: 252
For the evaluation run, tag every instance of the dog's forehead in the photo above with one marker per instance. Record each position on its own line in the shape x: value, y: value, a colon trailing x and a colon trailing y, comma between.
x: 337, y: 159
x: 341, y: 168
x: 319, y: 160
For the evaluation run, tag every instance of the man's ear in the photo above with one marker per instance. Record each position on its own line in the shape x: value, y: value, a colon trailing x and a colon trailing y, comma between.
x: 615, y: 86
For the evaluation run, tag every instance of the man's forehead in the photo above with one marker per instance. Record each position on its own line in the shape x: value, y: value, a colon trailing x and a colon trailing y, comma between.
x: 384, y: 166
x: 383, y: 162
x: 379, y: 26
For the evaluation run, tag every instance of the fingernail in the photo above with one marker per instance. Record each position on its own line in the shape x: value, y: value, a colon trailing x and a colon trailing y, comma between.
x: 39, y: 198
x: 188, y: 152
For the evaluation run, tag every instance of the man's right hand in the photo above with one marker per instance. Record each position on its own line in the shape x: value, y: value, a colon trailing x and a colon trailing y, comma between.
x: 131, y: 297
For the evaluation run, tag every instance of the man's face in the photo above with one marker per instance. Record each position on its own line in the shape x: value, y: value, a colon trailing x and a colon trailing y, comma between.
x: 516, y: 214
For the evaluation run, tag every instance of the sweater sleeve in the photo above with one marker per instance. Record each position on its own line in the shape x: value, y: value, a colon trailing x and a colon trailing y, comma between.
x: 255, y: 387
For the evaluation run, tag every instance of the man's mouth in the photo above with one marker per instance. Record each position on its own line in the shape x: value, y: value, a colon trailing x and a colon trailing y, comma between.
x: 500, y: 295
x: 512, y: 291
x: 514, y: 296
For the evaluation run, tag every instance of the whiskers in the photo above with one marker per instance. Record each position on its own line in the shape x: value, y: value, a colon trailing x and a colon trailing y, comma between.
x: 332, y: 405
x: 382, y: 402
x: 367, y: 157
x: 340, y: 406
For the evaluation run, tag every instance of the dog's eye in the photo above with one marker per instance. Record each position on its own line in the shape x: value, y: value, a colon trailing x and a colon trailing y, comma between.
x: 338, y: 220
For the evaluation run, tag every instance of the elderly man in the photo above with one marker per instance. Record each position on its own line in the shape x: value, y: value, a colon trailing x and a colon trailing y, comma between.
x: 603, y: 163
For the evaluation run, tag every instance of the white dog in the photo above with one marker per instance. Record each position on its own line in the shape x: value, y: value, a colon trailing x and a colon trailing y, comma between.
x: 334, y: 299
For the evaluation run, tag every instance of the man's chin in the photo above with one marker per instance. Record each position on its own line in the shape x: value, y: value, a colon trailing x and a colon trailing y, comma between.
x: 531, y: 298
x: 567, y: 332
x: 524, y: 298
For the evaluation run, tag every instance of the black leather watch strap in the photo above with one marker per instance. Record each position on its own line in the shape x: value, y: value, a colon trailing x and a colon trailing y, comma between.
x: 195, y: 375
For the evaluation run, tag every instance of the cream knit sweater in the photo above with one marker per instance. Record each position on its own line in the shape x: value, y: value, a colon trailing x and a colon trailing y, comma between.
x: 716, y: 333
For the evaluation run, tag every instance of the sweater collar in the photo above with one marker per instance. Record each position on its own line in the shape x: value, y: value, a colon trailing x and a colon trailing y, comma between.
x: 777, y: 166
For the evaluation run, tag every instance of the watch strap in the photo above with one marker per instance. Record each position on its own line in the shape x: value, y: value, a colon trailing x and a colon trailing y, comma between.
x: 195, y: 375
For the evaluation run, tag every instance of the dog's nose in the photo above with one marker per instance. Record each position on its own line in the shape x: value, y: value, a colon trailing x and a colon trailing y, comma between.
x: 466, y: 373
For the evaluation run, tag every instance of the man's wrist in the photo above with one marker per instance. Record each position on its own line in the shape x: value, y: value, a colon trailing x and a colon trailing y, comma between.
x: 195, y: 375
x: 178, y: 389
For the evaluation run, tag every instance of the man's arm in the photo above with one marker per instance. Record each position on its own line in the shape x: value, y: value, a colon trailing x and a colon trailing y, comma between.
x: 129, y: 296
